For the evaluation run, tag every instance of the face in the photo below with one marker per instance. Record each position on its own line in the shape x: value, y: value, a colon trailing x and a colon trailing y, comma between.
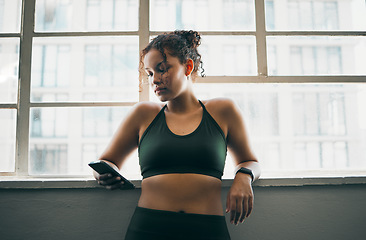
x: 168, y: 79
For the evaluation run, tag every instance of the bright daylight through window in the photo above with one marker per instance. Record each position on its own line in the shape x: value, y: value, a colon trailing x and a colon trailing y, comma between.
x: 296, y: 68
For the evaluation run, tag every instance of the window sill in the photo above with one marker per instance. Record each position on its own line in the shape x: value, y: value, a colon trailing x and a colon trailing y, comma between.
x: 85, y: 183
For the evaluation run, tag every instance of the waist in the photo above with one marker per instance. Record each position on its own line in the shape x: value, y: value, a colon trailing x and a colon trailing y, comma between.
x: 188, y: 193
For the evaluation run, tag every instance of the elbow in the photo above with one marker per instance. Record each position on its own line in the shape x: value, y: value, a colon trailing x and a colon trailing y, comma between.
x: 256, y: 168
x: 259, y: 170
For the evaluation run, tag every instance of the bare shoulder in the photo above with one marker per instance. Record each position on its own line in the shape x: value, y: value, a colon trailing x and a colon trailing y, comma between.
x: 147, y: 107
x: 222, y: 110
x: 144, y: 112
x: 220, y: 106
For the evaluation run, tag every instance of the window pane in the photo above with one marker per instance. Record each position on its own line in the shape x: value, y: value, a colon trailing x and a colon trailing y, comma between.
x: 318, y: 15
x: 259, y: 103
x: 202, y: 15
x: 85, y: 69
x: 316, y: 55
x: 64, y: 140
x: 300, y: 126
x: 9, y: 64
x: 7, y: 139
x: 10, y: 12
x: 229, y: 55
x: 88, y: 15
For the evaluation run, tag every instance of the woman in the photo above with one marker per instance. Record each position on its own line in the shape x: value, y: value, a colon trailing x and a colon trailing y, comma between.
x: 182, y: 146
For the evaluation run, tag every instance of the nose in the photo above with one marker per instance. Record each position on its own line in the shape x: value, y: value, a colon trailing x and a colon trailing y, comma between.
x: 156, y: 79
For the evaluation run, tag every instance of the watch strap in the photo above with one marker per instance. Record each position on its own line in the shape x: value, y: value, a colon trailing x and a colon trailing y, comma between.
x: 246, y: 171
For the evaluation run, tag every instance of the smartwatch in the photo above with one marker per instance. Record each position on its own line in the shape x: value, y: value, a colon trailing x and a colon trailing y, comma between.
x: 246, y: 171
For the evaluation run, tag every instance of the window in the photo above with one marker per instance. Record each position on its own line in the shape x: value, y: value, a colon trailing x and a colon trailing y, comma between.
x: 313, y: 15
x: 294, y: 67
x: 100, y: 68
x: 111, y: 15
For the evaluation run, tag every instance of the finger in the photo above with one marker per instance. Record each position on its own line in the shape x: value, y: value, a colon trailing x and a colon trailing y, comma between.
x: 232, y: 210
x: 250, y: 206
x: 239, y: 211
x: 228, y: 203
x: 105, y: 176
x: 110, y: 181
x: 245, y: 209
x: 102, y: 177
x: 122, y: 185
x: 117, y: 185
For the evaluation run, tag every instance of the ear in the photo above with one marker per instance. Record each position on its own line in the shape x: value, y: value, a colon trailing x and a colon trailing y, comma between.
x: 189, y: 66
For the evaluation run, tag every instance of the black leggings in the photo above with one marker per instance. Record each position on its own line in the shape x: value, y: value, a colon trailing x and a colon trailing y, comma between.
x: 150, y: 224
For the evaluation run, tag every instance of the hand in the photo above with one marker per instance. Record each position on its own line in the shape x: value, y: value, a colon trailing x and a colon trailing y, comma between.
x: 108, y: 180
x: 240, y: 198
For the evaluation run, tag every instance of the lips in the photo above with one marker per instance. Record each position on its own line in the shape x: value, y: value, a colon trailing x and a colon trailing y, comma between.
x: 159, y: 89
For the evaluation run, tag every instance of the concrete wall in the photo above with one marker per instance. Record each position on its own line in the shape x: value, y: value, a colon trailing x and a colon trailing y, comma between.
x: 280, y: 213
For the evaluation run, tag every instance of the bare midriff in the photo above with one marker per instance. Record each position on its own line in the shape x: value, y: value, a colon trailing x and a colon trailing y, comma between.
x: 188, y: 193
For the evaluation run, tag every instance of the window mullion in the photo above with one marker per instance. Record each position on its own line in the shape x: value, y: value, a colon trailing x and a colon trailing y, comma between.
x: 215, y: 33
x: 9, y: 35
x: 85, y: 34
x: 261, y: 38
x: 282, y: 79
x: 316, y: 33
x: 144, y: 34
x: 25, y: 59
x: 81, y: 104
x: 5, y: 106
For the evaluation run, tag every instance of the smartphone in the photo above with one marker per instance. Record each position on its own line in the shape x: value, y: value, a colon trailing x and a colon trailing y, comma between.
x: 102, y: 167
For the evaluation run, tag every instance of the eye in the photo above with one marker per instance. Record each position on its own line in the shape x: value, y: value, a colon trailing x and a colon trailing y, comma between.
x: 161, y: 70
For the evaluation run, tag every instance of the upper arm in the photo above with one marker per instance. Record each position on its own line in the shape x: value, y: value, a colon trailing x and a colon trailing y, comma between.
x: 126, y: 138
x: 237, y: 136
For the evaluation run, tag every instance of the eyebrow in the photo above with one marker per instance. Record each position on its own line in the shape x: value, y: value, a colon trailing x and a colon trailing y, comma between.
x: 156, y: 65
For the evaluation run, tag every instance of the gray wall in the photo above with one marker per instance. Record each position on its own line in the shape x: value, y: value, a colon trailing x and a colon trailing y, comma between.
x: 301, y: 213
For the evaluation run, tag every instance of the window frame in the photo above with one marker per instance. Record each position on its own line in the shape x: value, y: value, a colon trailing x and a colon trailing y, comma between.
x: 27, y: 33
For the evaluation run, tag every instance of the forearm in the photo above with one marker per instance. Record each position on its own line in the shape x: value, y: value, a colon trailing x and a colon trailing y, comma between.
x: 252, y: 165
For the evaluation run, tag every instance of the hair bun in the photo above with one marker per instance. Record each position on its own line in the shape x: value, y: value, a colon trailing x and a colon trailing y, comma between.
x: 193, y: 38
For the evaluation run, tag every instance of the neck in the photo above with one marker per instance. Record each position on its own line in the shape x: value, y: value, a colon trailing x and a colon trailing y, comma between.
x: 183, y: 104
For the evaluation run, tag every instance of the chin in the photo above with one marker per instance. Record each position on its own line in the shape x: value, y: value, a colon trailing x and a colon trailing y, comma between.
x: 162, y: 98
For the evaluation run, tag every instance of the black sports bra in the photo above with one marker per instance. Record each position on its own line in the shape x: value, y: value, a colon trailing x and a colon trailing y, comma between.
x: 203, y: 151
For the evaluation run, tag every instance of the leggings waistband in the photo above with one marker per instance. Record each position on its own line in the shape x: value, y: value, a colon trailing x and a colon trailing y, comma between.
x: 160, y: 224
x: 182, y: 214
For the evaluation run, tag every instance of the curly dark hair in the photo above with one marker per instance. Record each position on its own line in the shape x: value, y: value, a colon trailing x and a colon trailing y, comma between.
x: 181, y: 44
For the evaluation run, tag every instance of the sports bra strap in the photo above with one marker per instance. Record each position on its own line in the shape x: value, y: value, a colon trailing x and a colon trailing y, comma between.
x: 203, y: 105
